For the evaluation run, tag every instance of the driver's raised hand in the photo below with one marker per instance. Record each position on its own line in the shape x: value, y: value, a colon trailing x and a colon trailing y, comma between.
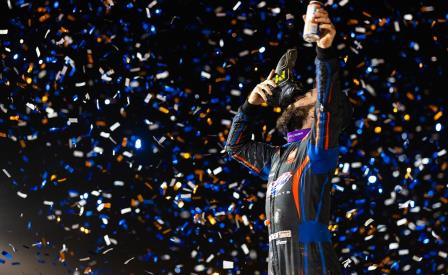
x: 258, y: 94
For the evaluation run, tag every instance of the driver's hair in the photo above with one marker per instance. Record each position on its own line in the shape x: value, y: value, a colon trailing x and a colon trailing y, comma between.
x: 292, y: 118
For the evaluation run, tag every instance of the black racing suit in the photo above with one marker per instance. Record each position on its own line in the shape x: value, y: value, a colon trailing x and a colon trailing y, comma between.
x: 299, y: 176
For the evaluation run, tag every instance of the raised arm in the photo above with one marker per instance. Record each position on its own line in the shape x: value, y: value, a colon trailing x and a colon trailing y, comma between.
x: 253, y: 154
x: 333, y: 111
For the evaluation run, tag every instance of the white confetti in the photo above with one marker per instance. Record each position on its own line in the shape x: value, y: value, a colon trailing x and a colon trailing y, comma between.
x: 372, y: 117
x: 22, y: 195
x: 127, y: 154
x: 236, y: 5
x: 346, y: 168
x: 108, y: 250
x: 408, y: 17
x: 148, y: 98
x: 397, y: 26
x: 152, y: 4
x: 185, y: 196
x: 98, y: 150
x: 226, y: 122
x: 245, y: 249
x: 107, y: 240
x: 199, y: 268
x: 6, y: 173
x: 234, y: 184
x: 205, y: 74
x: 406, y: 204
x: 276, y: 10
x: 127, y: 261
x: 50, y: 203
x: 162, y: 75
x: 125, y: 210
x: 369, y: 221
x: 393, y: 246
x: 227, y: 264
x: 235, y: 92
x: 36, y: 244
x: 248, y: 31
x: 105, y: 135
x: 31, y: 106
x: 114, y: 126
x: 261, y: 4
x: 100, y: 207
x: 368, y: 237
x: 402, y: 221
x: 209, y: 258
x: 78, y: 154
x: 118, y: 183
x: 343, y: 3
x: 217, y: 170
x: 435, y: 235
x: 243, y: 53
x: 347, y: 262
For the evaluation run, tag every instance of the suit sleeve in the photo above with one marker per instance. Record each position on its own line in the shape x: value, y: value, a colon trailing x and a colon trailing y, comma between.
x: 332, y: 113
x: 254, y: 155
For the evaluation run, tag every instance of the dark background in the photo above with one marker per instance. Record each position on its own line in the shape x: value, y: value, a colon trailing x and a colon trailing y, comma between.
x: 386, y: 72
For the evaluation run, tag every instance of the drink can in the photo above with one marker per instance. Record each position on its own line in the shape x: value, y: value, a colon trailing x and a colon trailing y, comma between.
x: 311, y: 29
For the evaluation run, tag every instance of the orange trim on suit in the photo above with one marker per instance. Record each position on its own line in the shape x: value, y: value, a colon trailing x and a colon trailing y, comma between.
x: 295, y: 184
x: 246, y: 163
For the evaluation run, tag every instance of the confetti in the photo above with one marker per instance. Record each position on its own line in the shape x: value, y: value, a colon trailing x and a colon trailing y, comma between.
x: 237, y: 5
x: 115, y: 115
x: 6, y: 173
x: 127, y: 261
x: 227, y: 264
x: 107, y: 240
x: 22, y: 195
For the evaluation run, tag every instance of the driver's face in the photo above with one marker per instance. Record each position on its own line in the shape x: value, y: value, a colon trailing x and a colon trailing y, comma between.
x: 308, y: 98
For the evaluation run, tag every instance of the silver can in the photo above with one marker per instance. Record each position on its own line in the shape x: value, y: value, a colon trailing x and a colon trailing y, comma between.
x: 311, y: 29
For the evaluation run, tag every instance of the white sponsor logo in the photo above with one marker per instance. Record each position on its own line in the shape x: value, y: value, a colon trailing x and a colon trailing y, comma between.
x: 275, y: 186
x: 280, y: 234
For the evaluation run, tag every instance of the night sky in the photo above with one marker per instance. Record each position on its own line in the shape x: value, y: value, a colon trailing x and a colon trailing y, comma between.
x: 114, y: 116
